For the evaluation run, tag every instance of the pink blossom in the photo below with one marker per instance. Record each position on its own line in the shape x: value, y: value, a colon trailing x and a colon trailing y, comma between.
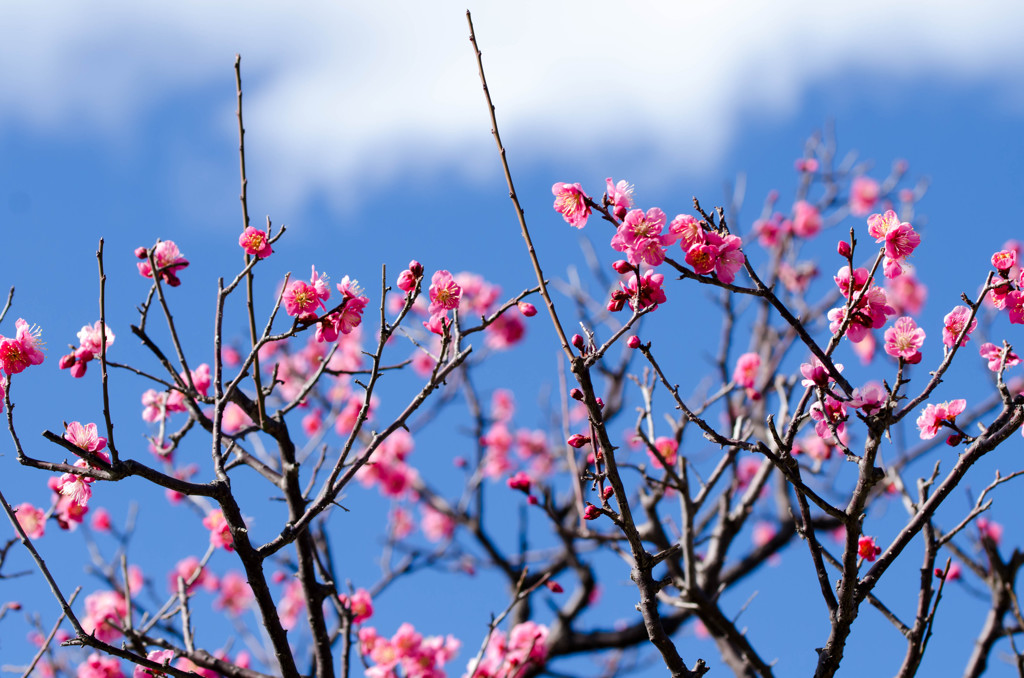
x: 84, y: 437
x: 851, y: 284
x: 23, y: 350
x: 952, y: 574
x: 900, y: 240
x: 191, y: 571
x: 994, y: 355
x: 869, y: 312
x: 650, y: 292
x: 163, y: 657
x: 503, y: 404
x: 437, y: 526
x: 571, y: 203
x: 506, y: 331
x: 157, y: 405
x: 867, y: 549
x: 520, y: 481
x: 954, y: 323
x: 293, y: 602
x: 990, y: 530
x: 104, y: 612
x: 687, y: 230
x: 1015, y: 307
x: 31, y: 519
x: 932, y: 417
x: 906, y: 294
x: 101, y: 520
x: 89, y: 347
x: 797, y: 278
x: 864, y: 193
x: 235, y: 594
x: 169, y: 261
x: 747, y: 366
x: 444, y: 292
x: 668, y: 448
x: 220, y: 532
x: 401, y: 523
x: 806, y: 165
x: 301, y: 300
x: 96, y: 666
x: 831, y: 415
x: 806, y: 219
x: 619, y: 196
x: 904, y: 340
x: 815, y: 374
x: 255, y: 242
x: 869, y: 398
x: 640, y: 237
x: 360, y: 604
x: 1004, y: 260
x: 702, y: 257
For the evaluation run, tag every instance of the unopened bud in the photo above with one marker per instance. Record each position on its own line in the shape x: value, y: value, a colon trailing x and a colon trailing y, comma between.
x: 576, y: 440
x: 531, y: 500
x: 527, y: 309
x: 600, y: 403
x: 844, y: 249
x: 607, y: 494
x: 576, y: 394
x: 577, y: 341
x: 954, y: 440
x: 416, y: 268
x: 67, y: 361
x: 622, y: 266
x: 633, y: 341
x: 141, y: 253
x: 14, y: 605
x: 591, y: 512
x: 553, y: 586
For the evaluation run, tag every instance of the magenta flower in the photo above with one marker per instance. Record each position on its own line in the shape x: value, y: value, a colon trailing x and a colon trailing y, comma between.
x: 84, y: 437
x: 869, y: 399
x: 1015, y: 307
x: 359, y: 603
x: 169, y: 260
x: 702, y: 257
x: 834, y: 413
x: 904, y: 340
x: 640, y: 237
x: 1004, y: 260
x: 906, y: 294
x: 867, y: 549
x: 900, y: 240
x: 571, y: 203
x: 869, y: 313
x: 650, y: 292
x: 302, y: 300
x: 954, y: 323
x: 806, y: 219
x: 994, y: 355
x: 619, y: 196
x: 31, y: 519
x: 687, y: 230
x: 864, y: 193
x: 23, y: 350
x: 730, y: 259
x: 747, y: 366
x: 815, y: 373
x: 668, y: 448
x: 932, y: 417
x: 160, y: 657
x: 220, y: 533
x: 444, y: 292
x: 843, y: 280
x: 255, y: 242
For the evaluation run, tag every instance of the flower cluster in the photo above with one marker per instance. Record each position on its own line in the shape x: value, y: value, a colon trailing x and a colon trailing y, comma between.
x: 169, y: 261
x: 507, y: 657
x: 90, y: 345
x: 406, y: 653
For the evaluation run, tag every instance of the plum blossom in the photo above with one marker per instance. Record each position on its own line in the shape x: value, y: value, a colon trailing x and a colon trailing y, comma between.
x: 444, y: 293
x: 571, y: 203
x: 31, y: 519
x: 235, y: 594
x: 994, y: 355
x: 900, y: 240
x: 255, y: 242
x: 437, y: 526
x: 359, y: 603
x: 158, y: 656
x: 21, y: 351
x: 864, y: 193
x: 815, y: 373
x: 990, y: 530
x: 954, y: 323
x: 89, y: 339
x: 869, y: 398
x: 302, y: 299
x: 96, y: 666
x: 830, y: 415
x: 904, y: 340
x: 84, y: 437
x: 806, y: 219
x: 867, y: 549
x: 650, y: 292
x: 525, y: 645
x: 293, y: 602
x: 104, y: 612
x: 220, y: 532
x: 933, y: 416
x: 169, y: 261
x: 668, y: 448
x: 640, y: 237
x: 906, y: 294
x: 747, y: 366
x: 619, y: 196
x: 869, y: 312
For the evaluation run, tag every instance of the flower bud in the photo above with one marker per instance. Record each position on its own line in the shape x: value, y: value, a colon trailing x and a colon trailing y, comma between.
x: 14, y: 605
x: 576, y: 440
x: 591, y: 512
x: 141, y: 253
x: 406, y: 281
x: 527, y: 309
x: 67, y: 361
x: 600, y: 403
x: 416, y: 268
x: 954, y: 440
x: 844, y: 249
x: 576, y: 394
x: 553, y: 586
x: 633, y: 341
x: 607, y: 494
x: 622, y: 266
x: 531, y: 500
x: 577, y: 341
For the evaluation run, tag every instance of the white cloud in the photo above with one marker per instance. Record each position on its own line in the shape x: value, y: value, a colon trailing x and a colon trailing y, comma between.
x: 342, y: 95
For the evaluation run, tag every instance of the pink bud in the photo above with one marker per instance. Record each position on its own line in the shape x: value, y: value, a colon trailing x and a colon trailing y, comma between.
x: 844, y: 249
x: 460, y: 462
x: 576, y: 440
x: 576, y: 394
x: 141, y: 253
x: 67, y: 361
x: 591, y: 512
x: 600, y: 403
x: 553, y: 586
x: 608, y: 492
x: 406, y: 281
x: 633, y: 341
x: 577, y: 341
x: 1004, y: 260
x: 416, y: 268
x: 531, y: 500
x: 14, y: 605
x: 527, y: 309
x: 622, y: 266
x: 954, y: 440
x: 520, y: 481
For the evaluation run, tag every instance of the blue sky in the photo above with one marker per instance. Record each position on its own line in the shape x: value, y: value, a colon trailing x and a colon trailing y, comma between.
x: 367, y: 135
